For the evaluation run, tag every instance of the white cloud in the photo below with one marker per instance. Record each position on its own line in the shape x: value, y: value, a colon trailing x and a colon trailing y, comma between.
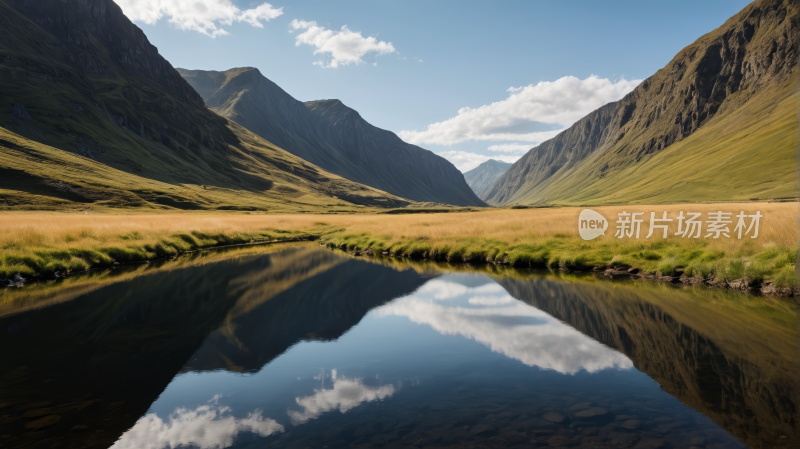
x: 204, y: 16
x: 451, y: 290
x: 515, y: 148
x: 507, y: 326
x: 563, y: 101
x: 465, y: 161
x: 208, y: 426
x: 341, y: 47
x: 345, y: 395
x: 492, y: 300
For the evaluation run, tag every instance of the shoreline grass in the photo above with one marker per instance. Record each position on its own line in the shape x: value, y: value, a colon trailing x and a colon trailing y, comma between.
x: 33, y: 246
x: 38, y: 244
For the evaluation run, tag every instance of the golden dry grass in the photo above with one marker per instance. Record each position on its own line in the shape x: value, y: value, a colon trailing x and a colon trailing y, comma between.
x: 523, y: 236
x: 25, y: 229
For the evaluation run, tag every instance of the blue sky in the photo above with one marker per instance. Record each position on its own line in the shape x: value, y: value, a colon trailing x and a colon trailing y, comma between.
x: 423, y: 62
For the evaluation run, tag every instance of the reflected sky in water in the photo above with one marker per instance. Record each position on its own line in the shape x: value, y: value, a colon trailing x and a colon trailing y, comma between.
x: 489, y: 315
x: 297, y: 346
x: 207, y: 426
x: 457, y: 343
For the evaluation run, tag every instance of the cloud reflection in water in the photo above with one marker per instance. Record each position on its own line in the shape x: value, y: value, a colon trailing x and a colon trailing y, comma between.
x: 345, y: 395
x: 208, y: 426
x: 489, y: 315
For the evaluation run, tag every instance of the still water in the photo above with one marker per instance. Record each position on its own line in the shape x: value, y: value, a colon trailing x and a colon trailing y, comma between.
x: 300, y: 347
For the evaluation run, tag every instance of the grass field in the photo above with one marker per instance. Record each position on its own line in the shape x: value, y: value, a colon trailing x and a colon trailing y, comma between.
x: 37, y: 243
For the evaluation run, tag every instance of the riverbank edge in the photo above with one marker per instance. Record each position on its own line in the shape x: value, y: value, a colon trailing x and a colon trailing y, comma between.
x: 766, y: 288
x: 19, y: 281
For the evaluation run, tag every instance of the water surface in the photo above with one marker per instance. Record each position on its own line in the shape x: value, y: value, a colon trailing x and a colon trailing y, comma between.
x: 303, y: 347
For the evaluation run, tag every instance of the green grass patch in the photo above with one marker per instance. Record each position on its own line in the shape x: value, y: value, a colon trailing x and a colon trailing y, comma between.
x: 39, y: 260
x: 567, y: 253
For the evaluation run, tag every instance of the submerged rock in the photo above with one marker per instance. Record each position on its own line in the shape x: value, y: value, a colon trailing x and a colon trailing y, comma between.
x: 592, y: 412
x: 553, y: 417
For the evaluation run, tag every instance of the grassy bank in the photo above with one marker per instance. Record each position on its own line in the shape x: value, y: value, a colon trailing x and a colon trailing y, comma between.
x: 41, y: 243
x: 549, y: 238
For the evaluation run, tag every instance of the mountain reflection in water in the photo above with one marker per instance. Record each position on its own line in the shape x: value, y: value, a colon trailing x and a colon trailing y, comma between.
x: 304, y: 347
x: 507, y: 326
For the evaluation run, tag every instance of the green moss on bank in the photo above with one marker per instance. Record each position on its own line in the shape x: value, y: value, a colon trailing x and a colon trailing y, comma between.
x: 665, y: 257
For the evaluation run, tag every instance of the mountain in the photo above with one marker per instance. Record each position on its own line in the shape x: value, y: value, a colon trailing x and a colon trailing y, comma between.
x: 117, y: 351
x: 331, y: 135
x: 719, y: 122
x: 741, y: 365
x: 93, y: 114
x: 481, y: 178
x: 321, y: 307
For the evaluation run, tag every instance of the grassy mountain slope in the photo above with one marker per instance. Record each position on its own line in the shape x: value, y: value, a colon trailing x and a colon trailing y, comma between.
x: 332, y: 136
x: 94, y: 115
x: 481, y: 178
x: 718, y: 123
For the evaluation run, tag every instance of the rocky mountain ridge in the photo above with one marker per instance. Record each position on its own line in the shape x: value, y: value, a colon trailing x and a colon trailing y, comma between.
x: 329, y: 134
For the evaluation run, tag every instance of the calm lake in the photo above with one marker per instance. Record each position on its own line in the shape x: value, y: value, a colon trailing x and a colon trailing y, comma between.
x: 297, y: 346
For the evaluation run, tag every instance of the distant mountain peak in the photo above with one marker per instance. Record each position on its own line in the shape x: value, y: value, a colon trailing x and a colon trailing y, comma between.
x: 481, y: 178
x: 329, y: 108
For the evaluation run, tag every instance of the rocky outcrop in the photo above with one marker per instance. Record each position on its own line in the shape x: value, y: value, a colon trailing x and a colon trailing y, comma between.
x: 754, y: 52
x: 127, y: 50
x: 481, y: 178
x: 331, y: 135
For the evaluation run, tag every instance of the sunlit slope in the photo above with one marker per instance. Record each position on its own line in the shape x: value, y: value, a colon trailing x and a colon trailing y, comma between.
x: 104, y: 112
x: 37, y: 176
x: 718, y: 123
x: 745, y: 153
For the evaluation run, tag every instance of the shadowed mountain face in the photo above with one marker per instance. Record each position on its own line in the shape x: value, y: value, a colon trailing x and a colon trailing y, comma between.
x: 743, y: 379
x: 331, y: 135
x: 481, y: 178
x: 78, y: 76
x: 100, y: 360
x: 718, y: 122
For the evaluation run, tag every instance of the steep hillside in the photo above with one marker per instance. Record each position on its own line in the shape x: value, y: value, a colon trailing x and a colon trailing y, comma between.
x: 481, y: 178
x: 94, y: 115
x: 719, y: 122
x: 332, y: 136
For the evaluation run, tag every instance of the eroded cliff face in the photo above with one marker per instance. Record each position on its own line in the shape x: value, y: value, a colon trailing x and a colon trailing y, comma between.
x: 331, y: 135
x: 75, y: 23
x: 734, y: 66
x: 91, y: 41
x: 748, y: 387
